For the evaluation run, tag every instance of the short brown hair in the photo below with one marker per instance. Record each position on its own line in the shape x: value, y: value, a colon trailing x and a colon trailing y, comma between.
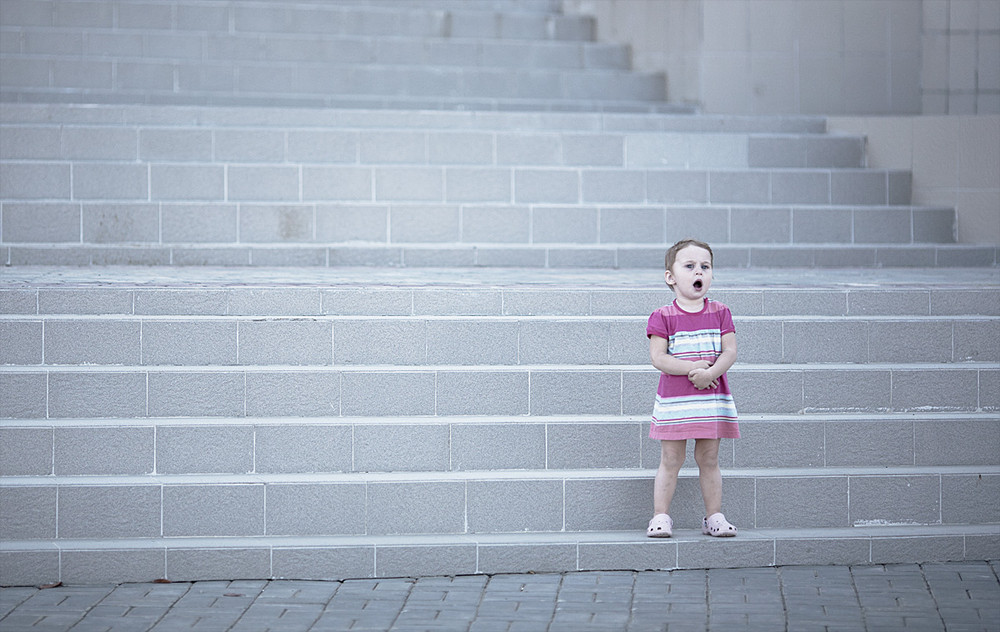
x: 668, y: 260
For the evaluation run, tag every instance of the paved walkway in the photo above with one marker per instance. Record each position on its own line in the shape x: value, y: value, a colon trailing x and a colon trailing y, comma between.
x: 946, y: 596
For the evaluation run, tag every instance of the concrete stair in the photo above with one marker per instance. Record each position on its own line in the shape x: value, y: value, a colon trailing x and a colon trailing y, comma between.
x: 245, y: 336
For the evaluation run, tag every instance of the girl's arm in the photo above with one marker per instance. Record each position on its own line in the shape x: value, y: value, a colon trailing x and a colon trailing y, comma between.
x: 708, y: 377
x: 667, y: 363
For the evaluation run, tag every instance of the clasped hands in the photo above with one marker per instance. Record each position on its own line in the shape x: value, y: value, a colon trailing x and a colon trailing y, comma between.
x: 700, y: 376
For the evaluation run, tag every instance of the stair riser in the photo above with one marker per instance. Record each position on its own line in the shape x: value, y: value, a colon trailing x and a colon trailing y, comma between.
x: 141, y: 393
x: 183, y: 562
x: 330, y: 144
x: 488, y: 506
x: 479, y: 341
x: 182, y: 227
x: 131, y: 449
x: 384, y: 299
x: 198, y: 20
x: 117, y: 183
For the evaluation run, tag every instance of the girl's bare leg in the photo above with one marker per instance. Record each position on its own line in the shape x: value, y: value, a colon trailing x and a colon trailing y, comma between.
x: 706, y: 454
x: 671, y: 460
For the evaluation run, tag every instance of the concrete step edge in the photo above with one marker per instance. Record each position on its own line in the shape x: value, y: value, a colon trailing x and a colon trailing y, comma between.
x: 472, y: 476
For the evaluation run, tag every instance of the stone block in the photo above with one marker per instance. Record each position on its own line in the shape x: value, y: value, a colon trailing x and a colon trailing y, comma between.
x: 323, y: 563
x: 594, y: 445
x: 886, y: 302
x: 176, y: 342
x: 761, y: 225
x: 532, y: 558
x: 161, y: 144
x: 571, y: 224
x: 196, y: 223
x: 726, y: 553
x: 935, y: 390
x: 366, y: 302
x: 458, y: 302
x: 26, y: 451
x: 774, y: 391
x: 915, y: 499
x: 576, y: 392
x: 802, y: 503
x: 401, y: 448
x: 472, y: 343
x: 759, y: 341
x: 116, y: 223
x: 201, y: 564
x: 204, y: 449
x: 395, y: 342
x: 608, y: 504
x: 478, y: 446
x: 32, y: 181
x: 26, y: 568
x: 977, y: 341
x: 482, y: 392
x: 544, y: 342
x: 659, y: 555
x: 41, y: 223
x: 824, y: 227
x: 213, y: 510
x: 612, y: 186
x: 604, y: 150
x: 86, y: 394
x: 440, y: 257
x: 409, y: 184
x: 805, y: 303
x: 200, y: 301
x: 274, y: 302
x: 188, y: 182
x: 239, y: 256
x: 460, y: 148
x: 630, y: 225
x: 109, y: 511
x: 387, y: 394
x: 424, y: 223
x: 496, y: 224
x: 336, y: 509
x: 270, y: 183
x: 305, y: 448
x: 780, y: 444
x: 288, y: 342
x: 831, y: 551
x: 890, y: 225
x: 859, y: 187
x: 276, y: 224
x: 14, y: 301
x: 514, y: 506
x: 969, y: 499
x: 425, y: 560
x: 99, y: 143
x: 800, y: 187
x: 99, y: 451
x: 739, y: 187
x: 882, y: 443
x: 337, y: 183
x: 23, y: 395
x: 196, y: 394
x: 24, y: 142
x: 416, y: 507
x: 83, y: 73
x: 27, y: 513
x: 292, y: 394
x: 112, y: 566
x: 347, y: 223
x: 548, y: 186
x: 92, y: 342
x: 21, y: 342
x: 845, y: 391
x: 812, y: 341
x: 519, y: 149
x: 259, y: 145
x: 955, y: 442
x: 109, y: 181
x: 917, y: 549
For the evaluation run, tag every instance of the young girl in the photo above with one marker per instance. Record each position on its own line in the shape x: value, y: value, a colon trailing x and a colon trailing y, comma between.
x: 692, y: 342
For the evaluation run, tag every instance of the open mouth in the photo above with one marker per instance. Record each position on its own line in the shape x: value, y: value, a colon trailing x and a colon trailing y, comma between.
x: 697, y: 285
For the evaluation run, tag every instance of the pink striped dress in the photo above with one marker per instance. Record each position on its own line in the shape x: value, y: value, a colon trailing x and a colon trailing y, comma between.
x: 681, y: 410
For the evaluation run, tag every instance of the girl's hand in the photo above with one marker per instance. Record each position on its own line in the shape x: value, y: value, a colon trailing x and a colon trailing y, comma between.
x: 702, y: 379
x: 699, y: 364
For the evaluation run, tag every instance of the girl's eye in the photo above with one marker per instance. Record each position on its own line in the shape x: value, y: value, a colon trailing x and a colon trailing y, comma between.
x: 689, y: 266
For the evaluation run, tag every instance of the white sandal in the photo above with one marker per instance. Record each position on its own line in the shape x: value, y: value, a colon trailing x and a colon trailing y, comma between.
x: 661, y: 526
x: 717, y: 526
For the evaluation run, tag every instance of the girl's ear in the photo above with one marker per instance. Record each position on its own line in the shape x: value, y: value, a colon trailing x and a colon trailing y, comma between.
x: 669, y: 278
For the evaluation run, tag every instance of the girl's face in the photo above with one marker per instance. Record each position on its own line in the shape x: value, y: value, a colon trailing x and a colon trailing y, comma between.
x: 691, y: 275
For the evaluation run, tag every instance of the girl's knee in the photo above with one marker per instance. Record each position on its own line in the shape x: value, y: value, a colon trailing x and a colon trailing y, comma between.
x: 672, y: 454
x: 706, y: 453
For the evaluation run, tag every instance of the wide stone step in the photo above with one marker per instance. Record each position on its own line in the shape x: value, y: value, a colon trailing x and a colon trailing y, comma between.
x: 122, y: 447
x: 464, y: 503
x: 542, y: 390
x: 191, y: 559
x: 184, y: 143
x: 474, y: 255
x: 475, y: 340
x: 219, y: 118
x: 182, y: 291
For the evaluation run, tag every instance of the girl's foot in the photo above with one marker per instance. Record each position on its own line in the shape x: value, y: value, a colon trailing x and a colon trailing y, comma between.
x: 717, y: 526
x: 661, y: 526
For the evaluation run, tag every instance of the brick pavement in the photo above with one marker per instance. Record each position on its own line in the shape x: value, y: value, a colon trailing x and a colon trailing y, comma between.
x: 939, y: 596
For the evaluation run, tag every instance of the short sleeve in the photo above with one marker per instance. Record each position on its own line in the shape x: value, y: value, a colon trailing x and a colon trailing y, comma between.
x: 726, y: 321
x: 657, y: 325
